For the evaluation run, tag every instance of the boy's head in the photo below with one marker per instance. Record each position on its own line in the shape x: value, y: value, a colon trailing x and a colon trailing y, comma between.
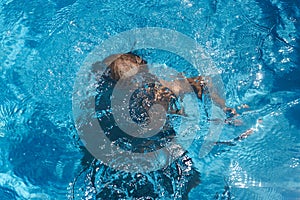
x: 124, y: 65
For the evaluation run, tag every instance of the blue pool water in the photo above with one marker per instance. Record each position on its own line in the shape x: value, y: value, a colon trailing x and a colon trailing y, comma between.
x: 254, y: 44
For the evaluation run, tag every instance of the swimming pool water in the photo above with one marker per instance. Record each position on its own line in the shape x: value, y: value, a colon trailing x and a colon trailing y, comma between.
x: 254, y: 44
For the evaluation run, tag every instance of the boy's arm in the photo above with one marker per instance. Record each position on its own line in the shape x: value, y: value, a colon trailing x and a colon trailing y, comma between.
x: 202, y: 85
